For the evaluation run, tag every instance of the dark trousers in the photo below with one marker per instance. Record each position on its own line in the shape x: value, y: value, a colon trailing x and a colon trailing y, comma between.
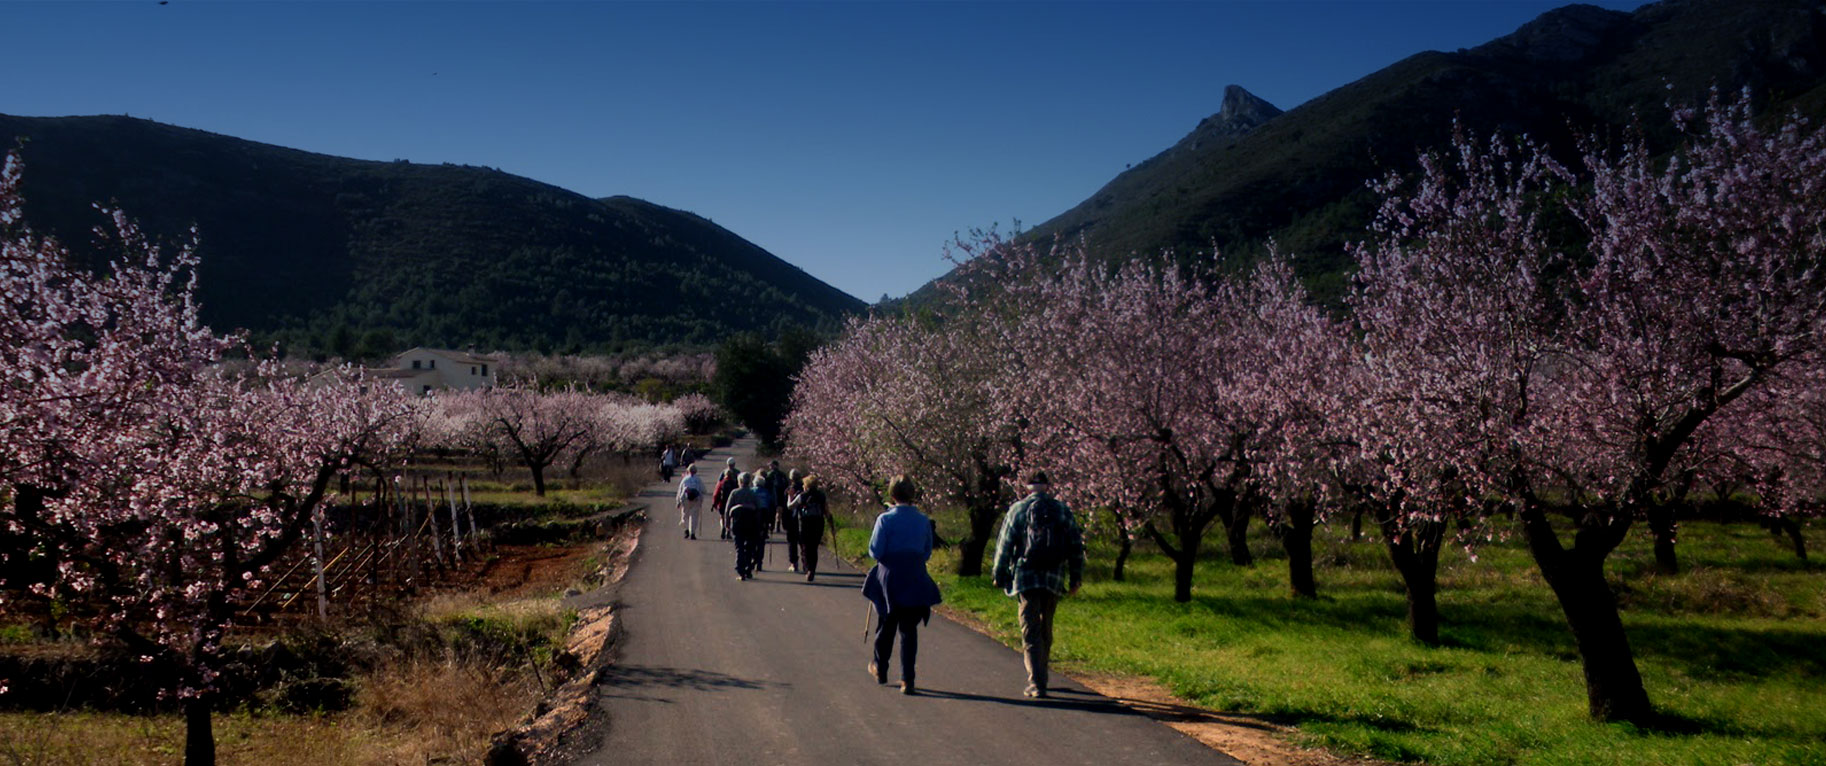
x: 904, y: 621
x: 1037, y: 607
x: 748, y: 551
x: 791, y: 523
x: 811, y: 530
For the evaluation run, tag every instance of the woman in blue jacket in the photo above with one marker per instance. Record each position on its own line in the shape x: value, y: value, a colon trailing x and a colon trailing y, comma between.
x: 898, y: 585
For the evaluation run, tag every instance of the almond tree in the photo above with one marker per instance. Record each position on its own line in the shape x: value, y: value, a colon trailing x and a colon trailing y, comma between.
x: 1457, y: 317
x: 903, y: 397
x: 139, y: 481
x: 537, y: 429
x: 1134, y: 369
x: 1778, y: 442
x: 1580, y: 387
x: 828, y: 408
x: 1309, y: 385
x: 230, y: 480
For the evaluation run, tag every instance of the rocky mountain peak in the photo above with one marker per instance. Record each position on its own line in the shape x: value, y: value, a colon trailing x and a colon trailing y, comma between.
x: 1244, y: 108
x: 1562, y: 35
x: 1242, y: 112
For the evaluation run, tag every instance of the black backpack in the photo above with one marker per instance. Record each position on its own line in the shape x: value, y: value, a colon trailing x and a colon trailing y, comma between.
x: 691, y: 493
x: 1049, y: 536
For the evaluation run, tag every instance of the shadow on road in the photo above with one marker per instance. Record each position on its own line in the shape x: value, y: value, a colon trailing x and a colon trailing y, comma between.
x: 800, y: 581
x: 1083, y: 701
x: 622, y: 680
x: 1175, y: 713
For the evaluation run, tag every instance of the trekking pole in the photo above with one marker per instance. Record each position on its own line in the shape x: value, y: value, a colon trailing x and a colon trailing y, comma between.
x: 868, y: 615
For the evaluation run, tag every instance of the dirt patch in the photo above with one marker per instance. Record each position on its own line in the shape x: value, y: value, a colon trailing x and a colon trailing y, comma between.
x: 1245, y: 738
x: 531, y: 570
x: 545, y: 737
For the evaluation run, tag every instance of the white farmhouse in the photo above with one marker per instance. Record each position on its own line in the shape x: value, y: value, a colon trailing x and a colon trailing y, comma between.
x: 422, y: 370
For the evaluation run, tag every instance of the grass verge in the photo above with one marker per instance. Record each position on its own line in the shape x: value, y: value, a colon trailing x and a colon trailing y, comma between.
x: 1733, y: 650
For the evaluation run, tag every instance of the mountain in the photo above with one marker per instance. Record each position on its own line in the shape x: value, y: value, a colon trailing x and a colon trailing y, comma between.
x: 345, y: 256
x: 1250, y: 173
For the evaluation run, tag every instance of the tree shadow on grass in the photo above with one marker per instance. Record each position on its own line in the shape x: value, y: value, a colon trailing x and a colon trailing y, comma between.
x: 1694, y: 648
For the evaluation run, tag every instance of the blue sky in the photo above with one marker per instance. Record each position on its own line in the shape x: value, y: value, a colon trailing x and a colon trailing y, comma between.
x: 853, y: 139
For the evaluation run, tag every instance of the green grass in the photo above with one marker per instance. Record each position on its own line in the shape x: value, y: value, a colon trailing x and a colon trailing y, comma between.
x: 1733, y: 651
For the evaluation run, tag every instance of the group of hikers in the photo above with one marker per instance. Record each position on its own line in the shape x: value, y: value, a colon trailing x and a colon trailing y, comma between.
x: 751, y: 505
x: 1039, y: 555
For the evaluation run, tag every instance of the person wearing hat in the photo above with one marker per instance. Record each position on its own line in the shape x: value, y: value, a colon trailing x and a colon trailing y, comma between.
x: 1039, y: 559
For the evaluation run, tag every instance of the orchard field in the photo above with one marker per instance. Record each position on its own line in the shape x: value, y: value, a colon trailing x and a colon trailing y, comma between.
x: 373, y: 684
x: 1734, y: 648
x: 1570, y: 363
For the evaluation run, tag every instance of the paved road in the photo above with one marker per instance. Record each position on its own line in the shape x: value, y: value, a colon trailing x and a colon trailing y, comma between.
x: 712, y: 670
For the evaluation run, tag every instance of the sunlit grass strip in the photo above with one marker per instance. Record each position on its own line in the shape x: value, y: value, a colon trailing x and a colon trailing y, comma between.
x: 1731, y: 650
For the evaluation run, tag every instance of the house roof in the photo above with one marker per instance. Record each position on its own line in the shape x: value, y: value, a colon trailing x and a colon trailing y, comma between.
x: 460, y: 357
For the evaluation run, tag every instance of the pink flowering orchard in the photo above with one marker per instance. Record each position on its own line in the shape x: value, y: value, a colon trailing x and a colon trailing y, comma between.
x: 897, y: 397
x: 541, y: 429
x: 1580, y: 388
x: 141, y: 481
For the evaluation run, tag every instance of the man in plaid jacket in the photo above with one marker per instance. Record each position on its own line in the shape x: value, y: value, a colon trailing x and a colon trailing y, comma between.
x: 1038, y: 586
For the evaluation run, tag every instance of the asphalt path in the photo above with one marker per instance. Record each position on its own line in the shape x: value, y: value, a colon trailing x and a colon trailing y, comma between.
x: 713, y: 670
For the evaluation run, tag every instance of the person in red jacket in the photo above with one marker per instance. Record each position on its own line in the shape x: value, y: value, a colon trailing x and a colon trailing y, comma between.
x: 719, y: 498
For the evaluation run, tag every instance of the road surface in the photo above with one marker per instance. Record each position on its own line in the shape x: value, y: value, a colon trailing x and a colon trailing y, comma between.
x: 713, y: 670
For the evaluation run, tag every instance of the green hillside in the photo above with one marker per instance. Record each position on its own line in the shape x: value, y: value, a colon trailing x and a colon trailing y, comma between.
x: 1298, y: 177
x: 345, y: 256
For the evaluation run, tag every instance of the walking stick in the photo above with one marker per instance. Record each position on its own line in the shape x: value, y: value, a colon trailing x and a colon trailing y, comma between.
x: 868, y: 615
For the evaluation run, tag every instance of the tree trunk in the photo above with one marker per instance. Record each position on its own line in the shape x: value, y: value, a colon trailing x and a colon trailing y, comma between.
x: 1296, y: 539
x: 1613, y: 686
x: 538, y: 479
x: 1236, y: 532
x: 1183, y: 565
x: 971, y: 550
x: 1184, y: 555
x: 199, y: 738
x: 1661, y: 521
x: 1415, y: 552
x: 1356, y: 524
x: 1125, y: 542
x: 1786, y: 526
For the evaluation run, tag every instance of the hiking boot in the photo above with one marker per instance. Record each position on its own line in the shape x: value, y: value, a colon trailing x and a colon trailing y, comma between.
x: 906, y: 687
x: 1034, y: 692
x: 810, y: 575
x: 875, y: 670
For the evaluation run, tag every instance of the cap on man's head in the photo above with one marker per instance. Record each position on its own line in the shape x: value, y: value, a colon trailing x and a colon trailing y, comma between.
x: 1037, y: 479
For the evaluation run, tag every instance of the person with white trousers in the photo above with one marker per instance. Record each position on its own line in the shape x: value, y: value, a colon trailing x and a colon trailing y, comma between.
x: 690, y: 501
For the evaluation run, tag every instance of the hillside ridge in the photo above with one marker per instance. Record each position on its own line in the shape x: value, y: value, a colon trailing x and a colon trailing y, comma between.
x: 1299, y: 177
x: 339, y: 255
